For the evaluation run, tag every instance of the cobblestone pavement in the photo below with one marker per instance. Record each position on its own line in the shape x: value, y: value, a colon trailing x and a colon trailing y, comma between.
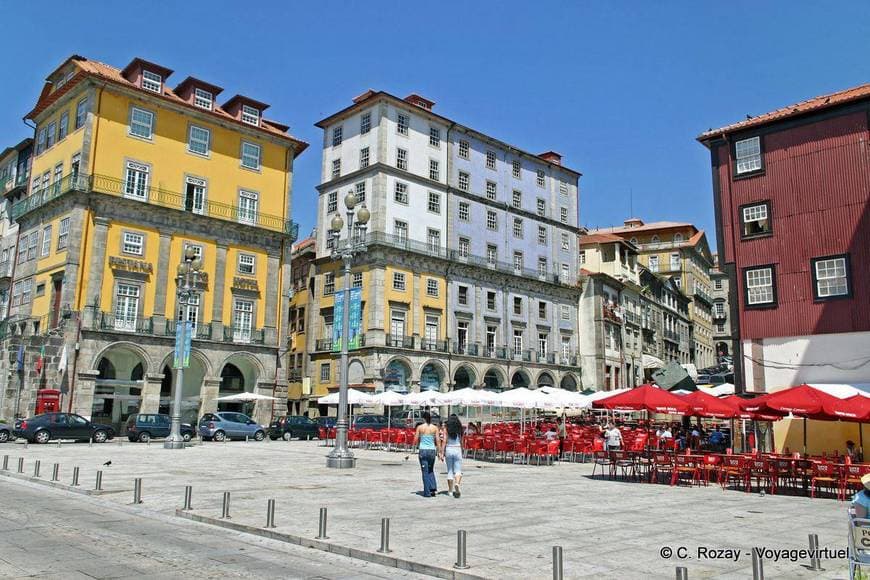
x: 514, y: 514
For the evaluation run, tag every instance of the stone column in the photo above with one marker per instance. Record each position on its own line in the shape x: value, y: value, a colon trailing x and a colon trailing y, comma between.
x: 208, y: 393
x: 270, y: 325
x: 162, y: 287
x: 263, y: 409
x: 73, y: 257
x: 83, y: 397
x: 217, y: 309
x: 376, y: 307
x: 95, y: 272
x: 150, y: 402
x: 416, y: 309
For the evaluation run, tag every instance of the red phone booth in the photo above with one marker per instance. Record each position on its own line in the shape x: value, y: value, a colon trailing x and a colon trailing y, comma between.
x: 47, y: 401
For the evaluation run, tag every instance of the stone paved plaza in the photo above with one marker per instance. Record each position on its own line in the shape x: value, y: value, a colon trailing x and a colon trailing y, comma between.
x: 514, y: 514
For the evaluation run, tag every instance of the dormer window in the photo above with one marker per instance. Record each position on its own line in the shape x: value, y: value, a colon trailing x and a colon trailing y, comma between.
x: 203, y: 99
x: 152, y: 81
x: 250, y: 115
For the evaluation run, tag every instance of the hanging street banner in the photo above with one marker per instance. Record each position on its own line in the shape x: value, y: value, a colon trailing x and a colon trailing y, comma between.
x: 355, y: 324
x: 337, y: 321
x: 182, y: 343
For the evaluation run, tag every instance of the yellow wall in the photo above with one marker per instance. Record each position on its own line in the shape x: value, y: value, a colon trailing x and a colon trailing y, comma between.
x: 63, y: 150
x: 822, y: 436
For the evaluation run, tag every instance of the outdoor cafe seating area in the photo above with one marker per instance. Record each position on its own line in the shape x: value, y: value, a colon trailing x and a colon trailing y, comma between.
x: 644, y: 458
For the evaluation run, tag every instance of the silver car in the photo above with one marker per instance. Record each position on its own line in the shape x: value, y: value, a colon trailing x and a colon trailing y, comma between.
x: 226, y: 425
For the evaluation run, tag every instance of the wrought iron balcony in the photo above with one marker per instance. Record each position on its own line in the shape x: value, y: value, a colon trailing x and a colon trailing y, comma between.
x: 201, y: 330
x: 671, y: 335
x: 632, y: 318
x: 466, y: 348
x: 434, y: 345
x: 153, y: 196
x: 124, y: 322
x: 323, y: 344
x: 294, y: 375
x: 400, y: 341
x: 244, y: 335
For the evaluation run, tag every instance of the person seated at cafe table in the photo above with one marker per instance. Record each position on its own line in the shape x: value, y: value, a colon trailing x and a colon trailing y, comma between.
x: 716, y: 440
x: 861, y: 500
x: 852, y: 452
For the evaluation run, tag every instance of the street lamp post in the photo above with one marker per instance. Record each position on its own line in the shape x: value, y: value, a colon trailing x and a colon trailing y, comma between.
x: 187, y: 279
x: 341, y: 457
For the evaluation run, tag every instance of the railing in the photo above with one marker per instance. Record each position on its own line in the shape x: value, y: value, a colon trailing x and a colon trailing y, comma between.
x: 323, y: 344
x: 434, y: 345
x: 400, y: 341
x: 404, y: 243
x: 294, y: 375
x: 6, y: 269
x: 201, y: 330
x: 704, y: 296
x: 123, y: 322
x: 632, y: 318
x: 10, y: 184
x: 719, y: 315
x: 152, y: 196
x: 671, y: 335
x: 610, y: 313
x: 244, y: 335
x: 466, y: 348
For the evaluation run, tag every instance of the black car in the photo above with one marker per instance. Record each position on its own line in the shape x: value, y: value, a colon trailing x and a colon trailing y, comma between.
x: 374, y: 422
x: 143, y: 427
x: 6, y: 433
x: 290, y: 426
x: 43, y: 428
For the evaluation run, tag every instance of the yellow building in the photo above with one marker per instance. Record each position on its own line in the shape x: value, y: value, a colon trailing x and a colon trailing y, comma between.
x: 680, y: 251
x: 299, y: 387
x: 127, y: 173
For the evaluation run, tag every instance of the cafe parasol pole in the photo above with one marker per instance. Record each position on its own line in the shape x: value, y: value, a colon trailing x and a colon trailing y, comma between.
x: 805, y: 436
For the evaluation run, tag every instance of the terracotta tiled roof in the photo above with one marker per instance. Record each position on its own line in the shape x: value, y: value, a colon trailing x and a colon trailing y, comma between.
x: 643, y: 228
x: 802, y: 108
x: 93, y: 68
x: 600, y: 239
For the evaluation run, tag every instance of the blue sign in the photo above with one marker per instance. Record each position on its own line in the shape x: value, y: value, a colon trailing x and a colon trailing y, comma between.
x: 355, y: 323
x: 183, y: 337
x: 337, y: 321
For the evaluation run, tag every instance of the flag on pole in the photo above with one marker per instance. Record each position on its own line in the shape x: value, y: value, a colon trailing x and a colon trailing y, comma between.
x: 61, y: 365
x: 40, y: 360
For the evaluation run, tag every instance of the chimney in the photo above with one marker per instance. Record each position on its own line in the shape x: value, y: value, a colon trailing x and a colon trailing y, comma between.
x: 551, y: 157
x: 421, y: 102
x: 633, y: 222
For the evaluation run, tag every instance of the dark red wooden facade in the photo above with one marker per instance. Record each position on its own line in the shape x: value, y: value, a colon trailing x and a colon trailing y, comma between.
x: 817, y: 179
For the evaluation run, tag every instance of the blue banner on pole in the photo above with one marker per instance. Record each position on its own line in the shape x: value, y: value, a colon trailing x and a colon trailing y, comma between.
x: 355, y: 323
x: 337, y: 321
x: 183, y: 338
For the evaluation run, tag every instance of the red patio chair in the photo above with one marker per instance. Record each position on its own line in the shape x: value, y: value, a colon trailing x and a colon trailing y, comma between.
x: 710, y: 467
x: 662, y: 465
x: 825, y: 475
x: 851, y: 479
x: 762, y: 471
x: 624, y: 463
x: 685, y: 465
x: 602, y: 459
x: 734, y: 469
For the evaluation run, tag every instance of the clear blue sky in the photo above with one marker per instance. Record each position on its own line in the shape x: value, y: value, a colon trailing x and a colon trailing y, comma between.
x: 621, y: 89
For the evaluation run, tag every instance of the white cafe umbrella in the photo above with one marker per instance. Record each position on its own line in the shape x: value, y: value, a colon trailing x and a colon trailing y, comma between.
x: 354, y: 397
x: 421, y: 399
x: 246, y: 397
x: 389, y: 399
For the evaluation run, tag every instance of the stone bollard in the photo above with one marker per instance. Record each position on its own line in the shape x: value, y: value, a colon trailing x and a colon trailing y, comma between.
x: 55, y: 472
x: 270, y: 513
x: 225, y: 507
x: 36, y: 467
x: 137, y: 490
x: 321, y: 525
x: 558, y: 570
x: 461, y: 552
x: 188, y: 498
x: 75, y: 479
x: 385, y: 536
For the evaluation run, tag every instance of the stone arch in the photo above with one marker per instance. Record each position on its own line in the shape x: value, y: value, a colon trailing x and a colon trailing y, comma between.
x: 432, y: 375
x: 120, y: 380
x: 520, y: 378
x: 248, y: 359
x: 545, y: 379
x: 464, y: 377
x: 569, y: 382
x: 121, y: 346
x: 356, y: 372
x: 191, y: 391
x: 397, y: 374
x: 195, y: 354
x: 494, y: 379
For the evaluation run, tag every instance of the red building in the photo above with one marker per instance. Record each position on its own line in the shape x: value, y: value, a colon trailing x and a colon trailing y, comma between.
x: 791, y: 190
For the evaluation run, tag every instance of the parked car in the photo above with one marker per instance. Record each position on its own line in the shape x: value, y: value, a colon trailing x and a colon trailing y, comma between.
x: 226, y: 425
x: 328, y: 422
x: 375, y: 422
x: 6, y: 433
x: 290, y: 426
x: 411, y: 417
x: 143, y: 427
x: 43, y: 428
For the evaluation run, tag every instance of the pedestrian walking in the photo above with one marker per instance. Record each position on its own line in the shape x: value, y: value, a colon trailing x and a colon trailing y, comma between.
x: 453, y: 455
x: 426, y: 440
x: 563, y: 434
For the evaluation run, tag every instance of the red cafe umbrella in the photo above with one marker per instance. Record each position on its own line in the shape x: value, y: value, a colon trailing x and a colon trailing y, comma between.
x: 706, y: 405
x: 855, y: 408
x: 645, y: 398
x: 748, y: 408
x: 802, y: 401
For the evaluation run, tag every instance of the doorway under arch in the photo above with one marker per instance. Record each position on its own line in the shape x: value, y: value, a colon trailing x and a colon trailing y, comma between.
x: 520, y: 379
x: 545, y: 379
x: 569, y: 383
x: 118, y: 386
x: 463, y: 378
x: 494, y: 380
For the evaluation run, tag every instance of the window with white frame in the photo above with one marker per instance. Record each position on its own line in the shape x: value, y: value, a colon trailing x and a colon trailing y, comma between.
x: 464, y: 246
x: 653, y: 263
x: 250, y: 115
x: 490, y: 300
x: 152, y: 81
x: 46, y: 242
x: 41, y: 136
x: 402, y: 124
x: 831, y: 277
x: 194, y: 194
x: 133, y: 243
x: 329, y: 283
x: 247, y: 264
x: 248, y: 205
x: 582, y: 259
x: 518, y: 228
x: 360, y: 192
x: 434, y: 136
x: 490, y: 190
x: 491, y: 254
x: 717, y: 283
x: 197, y: 249
x: 565, y: 311
x: 434, y: 204
x: 81, y: 112
x: 515, y: 169
x: 563, y: 214
x: 63, y: 126
x: 518, y: 262
x: 356, y: 280
x: 566, y: 346
x: 719, y: 309
x: 463, y: 211
x: 190, y: 311
x: 336, y: 168
x: 760, y: 288
x: 566, y: 242
x: 365, y: 123
x: 363, y: 157
x: 566, y: 273
x: 402, y: 158
x: 400, y: 195
x: 434, y: 172
x: 541, y: 207
x: 543, y: 341
x: 63, y: 234
x: 542, y: 235
x: 490, y: 159
x: 431, y: 287
x: 541, y: 178
x: 141, y: 123
x: 464, y: 181
x: 675, y: 261
x: 518, y: 305
x: 517, y: 199
x: 198, y: 140
x: 337, y: 135
x: 756, y: 219
x: 399, y: 281
x: 400, y: 230
x: 542, y: 267
x: 518, y: 340
x: 748, y: 154
x: 203, y: 99
x: 491, y: 220
x: 250, y: 155
x: 433, y: 239
x: 325, y: 369
x: 32, y: 244
x: 463, y: 149
x: 243, y: 320
x: 136, y: 180
x: 331, y: 201
x: 127, y: 307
